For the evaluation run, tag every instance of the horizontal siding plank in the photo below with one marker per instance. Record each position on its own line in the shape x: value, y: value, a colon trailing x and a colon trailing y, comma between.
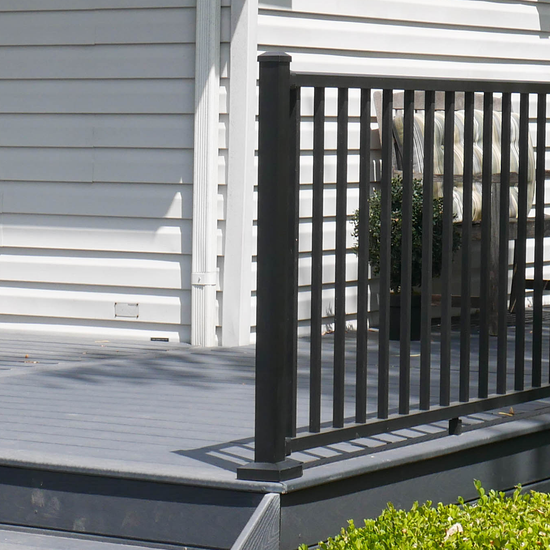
x: 329, y: 201
x: 39, y: 164
x: 143, y: 165
x: 331, y: 127
x: 105, y: 200
x: 174, y: 132
x: 328, y: 270
x: 489, y: 15
x: 91, y: 62
x: 95, y: 164
x: 305, y: 238
x: 91, y: 233
x: 61, y: 328
x: 137, y: 26
x: 146, y: 26
x: 306, y: 168
x: 124, y: 272
x: 329, y: 238
x: 148, y: 131
x: 47, y: 130
x: 92, y: 305
x: 331, y: 105
x: 98, y: 96
x: 293, y: 32
x: 56, y: 5
x: 327, y: 301
x: 327, y: 306
x: 47, y: 28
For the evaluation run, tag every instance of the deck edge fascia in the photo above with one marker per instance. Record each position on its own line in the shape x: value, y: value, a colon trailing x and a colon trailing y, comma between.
x: 415, y: 452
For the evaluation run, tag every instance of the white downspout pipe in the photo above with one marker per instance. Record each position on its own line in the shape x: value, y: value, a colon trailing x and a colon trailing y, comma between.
x: 205, y: 173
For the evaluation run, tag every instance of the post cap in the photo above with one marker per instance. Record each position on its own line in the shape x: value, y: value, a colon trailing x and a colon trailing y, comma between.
x: 274, y: 57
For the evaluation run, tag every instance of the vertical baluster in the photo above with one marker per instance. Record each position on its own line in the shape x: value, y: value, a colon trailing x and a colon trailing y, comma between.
x: 317, y: 259
x: 406, y: 256
x: 294, y: 202
x: 363, y: 258
x: 539, y: 240
x: 447, y: 246
x: 504, y: 217
x: 520, y: 250
x: 486, y: 252
x: 466, y: 277
x: 385, y: 255
x: 341, y: 234
x: 427, y: 245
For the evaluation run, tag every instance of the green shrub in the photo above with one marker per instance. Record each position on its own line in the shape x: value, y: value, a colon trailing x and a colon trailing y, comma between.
x: 396, y: 233
x: 495, y: 521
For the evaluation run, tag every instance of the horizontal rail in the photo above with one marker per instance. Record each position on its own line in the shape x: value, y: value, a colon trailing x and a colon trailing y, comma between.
x: 398, y: 422
x: 329, y: 80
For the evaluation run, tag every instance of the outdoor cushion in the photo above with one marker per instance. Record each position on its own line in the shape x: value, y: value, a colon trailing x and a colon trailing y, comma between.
x: 439, y: 125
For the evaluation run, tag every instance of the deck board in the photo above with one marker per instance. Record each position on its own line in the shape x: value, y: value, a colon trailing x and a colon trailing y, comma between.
x: 24, y: 540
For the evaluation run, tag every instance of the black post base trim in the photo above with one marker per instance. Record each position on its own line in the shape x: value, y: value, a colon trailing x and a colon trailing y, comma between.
x: 455, y: 426
x: 267, y: 471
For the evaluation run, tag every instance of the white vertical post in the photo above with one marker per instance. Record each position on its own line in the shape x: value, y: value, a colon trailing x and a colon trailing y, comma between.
x: 237, y: 281
x: 205, y: 173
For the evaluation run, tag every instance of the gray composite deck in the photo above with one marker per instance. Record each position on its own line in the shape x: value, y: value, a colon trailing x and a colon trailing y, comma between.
x: 139, y: 442
x: 168, y: 411
x: 131, y: 407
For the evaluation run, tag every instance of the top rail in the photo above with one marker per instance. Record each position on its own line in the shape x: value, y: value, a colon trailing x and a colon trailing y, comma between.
x: 330, y: 80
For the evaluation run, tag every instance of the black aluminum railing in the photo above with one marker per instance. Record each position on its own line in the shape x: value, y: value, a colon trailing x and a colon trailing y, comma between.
x: 276, y: 434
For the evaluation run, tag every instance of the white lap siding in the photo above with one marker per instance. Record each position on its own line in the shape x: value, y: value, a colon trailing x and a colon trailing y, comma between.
x: 435, y: 38
x: 96, y: 166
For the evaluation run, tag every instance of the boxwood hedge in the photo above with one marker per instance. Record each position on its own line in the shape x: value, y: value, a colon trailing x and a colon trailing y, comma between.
x: 494, y: 521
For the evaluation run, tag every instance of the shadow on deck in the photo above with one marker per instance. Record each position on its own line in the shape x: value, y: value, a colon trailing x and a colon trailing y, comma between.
x: 138, y: 443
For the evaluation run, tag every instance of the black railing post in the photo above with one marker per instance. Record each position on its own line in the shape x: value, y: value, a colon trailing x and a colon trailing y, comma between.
x: 274, y: 265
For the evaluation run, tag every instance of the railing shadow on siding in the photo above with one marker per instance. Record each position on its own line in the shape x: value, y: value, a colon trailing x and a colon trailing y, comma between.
x: 276, y: 435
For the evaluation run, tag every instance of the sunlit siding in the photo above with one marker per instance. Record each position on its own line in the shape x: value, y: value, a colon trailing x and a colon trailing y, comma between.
x: 449, y: 38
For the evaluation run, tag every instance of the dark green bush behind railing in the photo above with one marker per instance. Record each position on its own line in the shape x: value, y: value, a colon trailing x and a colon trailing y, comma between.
x: 396, y: 224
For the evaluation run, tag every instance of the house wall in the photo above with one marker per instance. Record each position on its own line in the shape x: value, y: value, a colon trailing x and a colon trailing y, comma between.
x: 96, y: 142
x: 96, y: 165
x: 433, y: 38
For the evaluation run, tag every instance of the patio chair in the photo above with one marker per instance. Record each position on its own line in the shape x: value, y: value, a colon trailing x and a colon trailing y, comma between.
x: 418, y: 163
